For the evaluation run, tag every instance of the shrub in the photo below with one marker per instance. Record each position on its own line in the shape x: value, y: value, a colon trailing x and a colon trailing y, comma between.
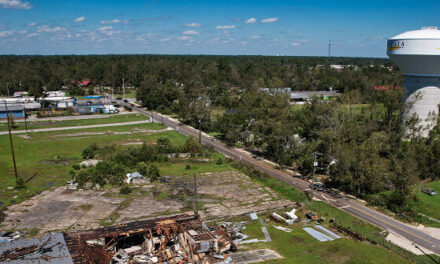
x: 88, y: 153
x: 153, y: 173
x: 19, y: 184
x: 142, y: 168
x: 125, y: 189
x: 94, y: 146
x: 128, y: 108
x: 187, y: 167
x: 219, y: 161
x: 76, y: 166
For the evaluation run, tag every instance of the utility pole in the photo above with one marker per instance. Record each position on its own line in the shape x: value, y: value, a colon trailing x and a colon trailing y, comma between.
x: 200, y: 131
x: 196, y: 208
x: 25, y: 118
x: 10, y: 141
x: 123, y: 86
x: 329, y: 48
x: 435, y: 261
x: 7, y: 87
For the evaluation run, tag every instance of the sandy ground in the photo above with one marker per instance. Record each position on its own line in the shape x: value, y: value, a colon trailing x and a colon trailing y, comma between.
x: 220, y: 194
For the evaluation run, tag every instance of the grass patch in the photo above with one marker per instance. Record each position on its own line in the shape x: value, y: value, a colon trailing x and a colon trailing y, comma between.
x: 46, y: 146
x: 80, y: 122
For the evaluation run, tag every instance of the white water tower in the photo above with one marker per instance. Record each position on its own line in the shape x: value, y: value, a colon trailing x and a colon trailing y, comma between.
x: 417, y: 53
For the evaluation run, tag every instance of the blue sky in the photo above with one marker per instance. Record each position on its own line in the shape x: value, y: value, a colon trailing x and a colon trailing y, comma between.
x: 301, y: 28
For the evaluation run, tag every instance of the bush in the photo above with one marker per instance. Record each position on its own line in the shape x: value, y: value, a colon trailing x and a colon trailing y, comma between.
x: 88, y: 153
x: 94, y: 146
x: 142, y: 168
x: 128, y: 108
x: 19, y: 184
x: 153, y: 173
x: 125, y: 189
x: 187, y: 167
x: 76, y: 166
x: 219, y: 161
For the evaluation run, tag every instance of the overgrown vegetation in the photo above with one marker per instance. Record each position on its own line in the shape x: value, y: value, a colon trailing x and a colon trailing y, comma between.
x: 117, y: 162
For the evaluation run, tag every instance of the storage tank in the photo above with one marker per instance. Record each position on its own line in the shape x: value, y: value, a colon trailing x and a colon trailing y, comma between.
x: 417, y: 53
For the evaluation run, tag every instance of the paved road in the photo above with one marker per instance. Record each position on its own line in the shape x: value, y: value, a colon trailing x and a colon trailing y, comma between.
x: 74, y: 127
x: 350, y: 206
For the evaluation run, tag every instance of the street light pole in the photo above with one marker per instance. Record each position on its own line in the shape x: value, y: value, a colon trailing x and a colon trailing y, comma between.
x: 196, y: 208
x: 10, y: 141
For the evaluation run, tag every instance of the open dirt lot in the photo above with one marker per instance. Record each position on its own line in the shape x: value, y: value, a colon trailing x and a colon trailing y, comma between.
x: 220, y: 194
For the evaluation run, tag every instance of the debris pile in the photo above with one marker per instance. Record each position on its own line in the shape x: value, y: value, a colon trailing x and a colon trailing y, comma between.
x: 178, y: 239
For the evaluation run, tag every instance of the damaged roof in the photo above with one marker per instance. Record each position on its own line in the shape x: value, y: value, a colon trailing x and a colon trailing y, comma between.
x: 49, y: 249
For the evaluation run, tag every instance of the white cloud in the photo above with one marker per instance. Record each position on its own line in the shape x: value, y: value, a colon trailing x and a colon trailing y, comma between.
x: 77, y: 35
x: 190, y: 32
x: 15, y: 4
x: 79, y: 19
x: 256, y: 37
x: 193, y: 25
x: 251, y: 20
x: 23, y: 32
x: 31, y: 24
x: 295, y: 44
x: 269, y: 20
x: 144, y: 36
x: 186, y: 38
x: 6, y: 33
x: 105, y: 28
x: 225, y: 27
x: 32, y: 35
x: 114, y: 21
x: 165, y: 39
x: 46, y: 28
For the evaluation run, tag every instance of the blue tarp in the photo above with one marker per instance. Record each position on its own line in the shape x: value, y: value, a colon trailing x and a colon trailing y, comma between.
x: 318, y: 235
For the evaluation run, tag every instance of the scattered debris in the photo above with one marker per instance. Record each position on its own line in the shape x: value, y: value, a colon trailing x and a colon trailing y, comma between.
x: 89, y: 162
x: 177, y: 239
x: 282, y: 228
x: 282, y: 219
x: 253, y: 216
x: 135, y: 176
x: 311, y: 216
x: 9, y: 236
x: 266, y: 234
x: 292, y: 215
x: 350, y: 232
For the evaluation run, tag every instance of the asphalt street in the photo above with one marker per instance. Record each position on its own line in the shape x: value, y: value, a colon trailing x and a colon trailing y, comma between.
x: 350, y: 206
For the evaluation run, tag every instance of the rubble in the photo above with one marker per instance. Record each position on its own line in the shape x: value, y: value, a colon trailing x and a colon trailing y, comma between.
x: 177, y: 239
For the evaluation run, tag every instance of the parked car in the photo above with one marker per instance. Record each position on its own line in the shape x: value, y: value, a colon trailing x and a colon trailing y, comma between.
x: 429, y: 191
x: 318, y: 186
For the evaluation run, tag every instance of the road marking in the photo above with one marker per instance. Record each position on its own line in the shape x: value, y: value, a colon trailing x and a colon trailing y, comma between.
x: 386, y: 222
x: 342, y: 207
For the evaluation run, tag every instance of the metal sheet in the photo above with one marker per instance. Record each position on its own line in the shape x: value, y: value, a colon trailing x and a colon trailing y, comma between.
x: 327, y: 231
x: 318, y: 235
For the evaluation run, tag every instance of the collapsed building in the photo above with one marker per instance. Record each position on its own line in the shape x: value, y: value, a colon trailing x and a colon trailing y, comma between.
x: 177, y: 239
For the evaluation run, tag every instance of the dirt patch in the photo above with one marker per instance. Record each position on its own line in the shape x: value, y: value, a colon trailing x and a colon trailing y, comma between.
x: 221, y: 194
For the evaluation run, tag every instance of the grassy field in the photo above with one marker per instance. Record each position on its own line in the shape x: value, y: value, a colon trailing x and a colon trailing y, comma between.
x: 48, y: 156
x: 427, y: 205
x: 299, y: 247
x: 81, y: 122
